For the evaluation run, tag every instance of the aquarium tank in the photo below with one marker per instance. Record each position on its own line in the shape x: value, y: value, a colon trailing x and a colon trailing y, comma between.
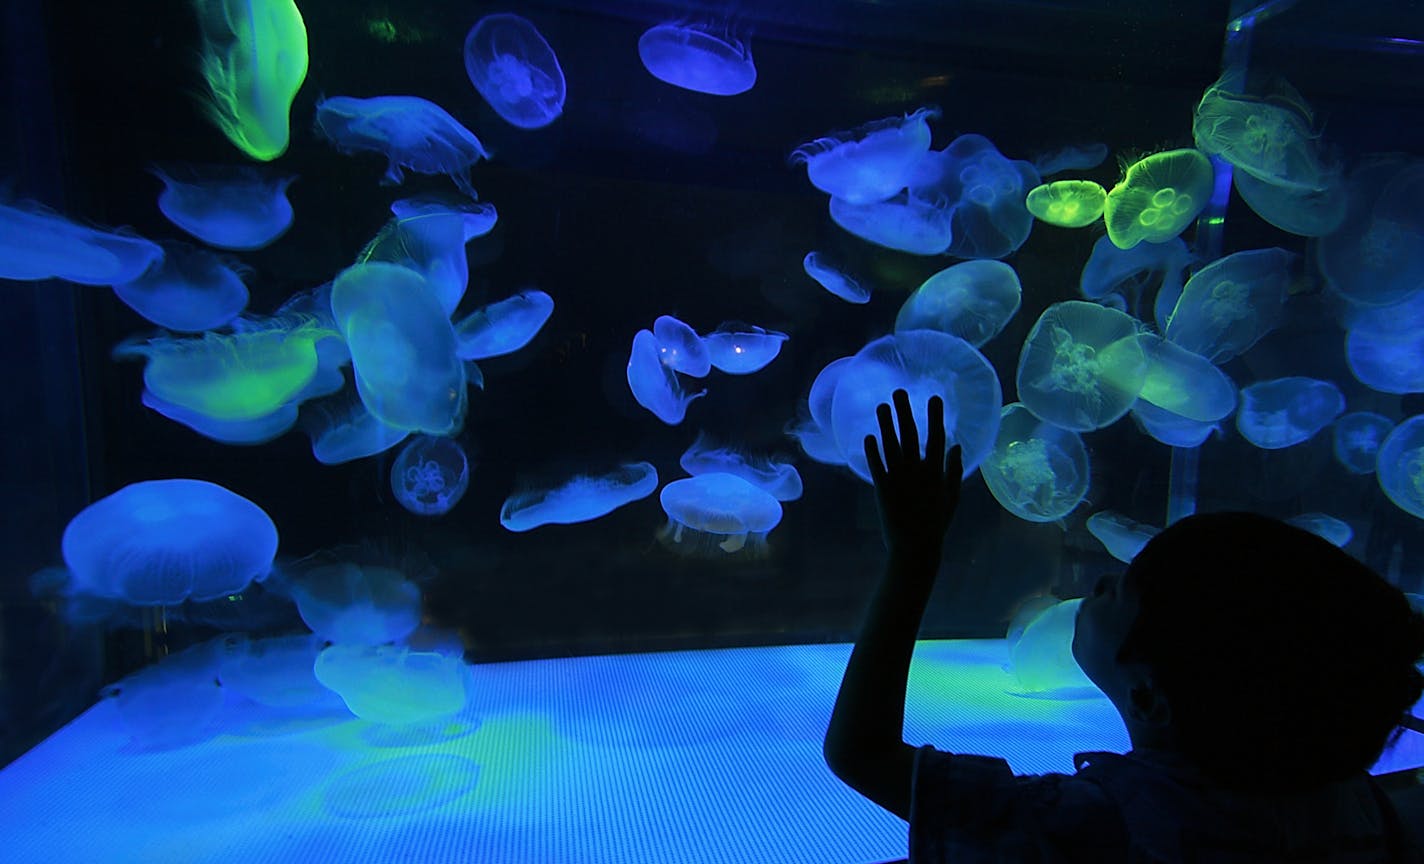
x: 434, y: 430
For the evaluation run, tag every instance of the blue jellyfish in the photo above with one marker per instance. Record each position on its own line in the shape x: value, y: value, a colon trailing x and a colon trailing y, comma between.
x: 430, y: 475
x: 815, y: 432
x: 1307, y: 212
x: 1174, y: 430
x: 38, y: 243
x: 1400, y: 466
x: 160, y: 542
x: 1283, y: 412
x: 1229, y: 304
x: 741, y: 349
x: 357, y: 605
x: 344, y: 431
x: 870, y: 163
x: 781, y: 479
x: 1042, y: 660
x: 833, y: 280
x: 699, y: 57
x: 1387, y: 360
x: 680, y: 348
x: 1070, y: 157
x: 513, y: 67
x: 655, y: 385
x: 731, y: 511
x: 582, y: 498
x: 227, y: 206
x: 393, y: 684
x: 972, y: 300
x: 1121, y: 536
x: 190, y: 290
x: 412, y: 132
x: 1081, y: 366
x: 1138, y: 275
x: 1376, y: 257
x: 984, y: 192
x: 1037, y: 471
x: 172, y: 703
x: 1358, y: 436
x: 429, y: 237
x: 1337, y: 531
x: 1186, y: 384
x: 476, y: 219
x: 903, y: 223
x: 503, y: 327
x: 247, y: 432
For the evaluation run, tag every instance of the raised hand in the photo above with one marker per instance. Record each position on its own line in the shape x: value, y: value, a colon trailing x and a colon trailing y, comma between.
x: 917, y: 495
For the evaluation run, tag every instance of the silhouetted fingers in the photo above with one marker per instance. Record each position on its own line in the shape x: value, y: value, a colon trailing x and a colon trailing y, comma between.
x: 909, y: 435
x: 954, y: 467
x: 872, y: 459
x: 934, y: 442
x: 888, y: 441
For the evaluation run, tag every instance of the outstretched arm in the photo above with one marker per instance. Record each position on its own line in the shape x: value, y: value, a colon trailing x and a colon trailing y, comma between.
x: 917, y: 496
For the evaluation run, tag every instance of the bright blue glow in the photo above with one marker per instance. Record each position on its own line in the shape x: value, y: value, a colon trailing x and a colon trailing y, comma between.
x: 392, y: 684
x: 1324, y: 525
x: 412, y: 132
x: 734, y: 511
x: 814, y: 431
x: 1283, y: 412
x: 1229, y: 304
x: 1185, y: 384
x: 680, y: 348
x: 429, y: 237
x: 190, y: 290
x: 1358, y: 436
x: 833, y: 280
x: 343, y: 431
x: 870, y: 163
x: 165, y: 541
x: 902, y: 223
x: 654, y: 385
x: 1037, y: 471
x: 1388, y: 360
x: 430, y: 475
x: 1174, y: 430
x: 1376, y: 256
x: 1042, y: 658
x: 1121, y: 536
x: 699, y: 58
x: 741, y: 349
x: 972, y: 300
x: 38, y: 243
x: 228, y: 206
x: 780, y: 479
x: 1081, y: 366
x: 582, y: 498
x: 1071, y: 157
x: 511, y: 64
x: 1400, y: 466
x: 983, y: 190
x: 257, y: 430
x: 503, y: 327
x: 1146, y: 273
x: 358, y: 605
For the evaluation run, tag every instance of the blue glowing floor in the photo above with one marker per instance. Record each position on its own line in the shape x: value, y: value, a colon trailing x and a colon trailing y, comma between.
x: 706, y: 756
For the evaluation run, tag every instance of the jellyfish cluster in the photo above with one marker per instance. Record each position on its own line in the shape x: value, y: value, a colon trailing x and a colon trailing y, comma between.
x: 672, y: 349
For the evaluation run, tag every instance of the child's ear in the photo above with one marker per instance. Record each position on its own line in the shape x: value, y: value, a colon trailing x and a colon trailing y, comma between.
x: 1148, y: 705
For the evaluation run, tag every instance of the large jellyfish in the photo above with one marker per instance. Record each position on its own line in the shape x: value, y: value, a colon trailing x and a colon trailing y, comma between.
x: 699, y: 57
x: 1146, y: 273
x: 903, y: 223
x: 429, y: 237
x: 1266, y: 134
x: 732, y: 510
x: 870, y: 163
x: 412, y: 132
x: 1229, y: 304
x: 1067, y: 203
x: 357, y: 605
x: 655, y: 385
x: 582, y: 498
x: 343, y: 431
x: 1158, y: 197
x: 160, y: 542
x: 781, y: 479
x: 1081, y: 366
x: 984, y: 193
x: 741, y: 349
x: 833, y: 280
x: 680, y: 348
x: 1121, y: 536
x: 430, y: 475
x: 1037, y: 471
x: 392, y: 684
x: 227, y: 206
x: 503, y: 327
x: 1283, y: 412
x: 1376, y: 256
x: 38, y: 243
x: 190, y: 290
x: 254, y: 59
x: 815, y: 431
x: 248, y: 432
x: 513, y: 67
x: 1357, y: 438
x: 972, y: 300
x: 1186, y: 384
x: 1400, y: 464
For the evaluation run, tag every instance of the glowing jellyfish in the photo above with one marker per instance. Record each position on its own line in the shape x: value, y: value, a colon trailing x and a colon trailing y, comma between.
x: 412, y: 132
x: 1186, y: 384
x: 698, y: 57
x: 38, y: 243
x: 741, y: 349
x: 1072, y: 157
x: 972, y: 300
x: 275, y: 671
x: 1376, y: 256
x: 680, y: 348
x: 160, y: 542
x: 1146, y: 273
x: 230, y: 207
x: 513, y: 67
x: 1337, y: 531
x: 1387, y: 358
x: 902, y: 223
x: 1042, y: 659
x: 429, y: 237
x: 815, y: 432
x: 1229, y: 304
x: 503, y: 327
x: 1171, y: 429
x: 254, y: 58
x: 1401, y: 466
x: 190, y: 290
x: 925, y: 363
x: 1067, y: 203
x: 733, y: 511
x: 870, y: 163
x: 1081, y: 366
x: 1121, y: 536
x: 582, y: 498
x: 984, y: 193
x: 833, y: 280
x: 249, y: 432
x: 1307, y: 212
x: 1358, y: 436
x: 393, y: 685
x: 1037, y: 471
x: 172, y: 703
x: 357, y: 605
x: 1158, y: 197
x: 344, y: 431
x: 655, y: 385
x: 1283, y: 412
x: 780, y: 479
x: 402, y: 348
x: 430, y: 475
x: 1265, y: 134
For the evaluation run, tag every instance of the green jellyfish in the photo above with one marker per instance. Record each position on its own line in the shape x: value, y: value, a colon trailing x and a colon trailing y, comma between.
x: 1067, y: 203
x: 1158, y: 197
x: 254, y: 58
x: 1037, y: 471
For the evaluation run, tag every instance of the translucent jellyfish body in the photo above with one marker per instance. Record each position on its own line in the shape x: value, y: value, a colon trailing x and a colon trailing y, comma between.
x: 343, y: 430
x: 190, y: 290
x: 1186, y: 384
x: 741, y: 349
x: 230, y: 207
x: 254, y: 59
x: 1400, y: 466
x: 972, y: 300
x: 165, y: 541
x: 1121, y: 536
x: 680, y: 348
x: 1148, y: 273
x: 172, y: 703
x: 983, y: 191
x: 1067, y: 203
x: 1283, y: 412
x: 814, y: 431
x: 925, y: 363
x: 1071, y: 157
x: 1158, y: 197
x: 392, y: 684
x: 275, y: 671
x: 429, y: 237
x: 412, y: 132
x: 780, y: 479
x: 249, y: 432
x: 1171, y: 429
x: 1037, y: 471
x: 511, y: 64
x: 1229, y: 304
x: 1307, y: 212
x: 37, y: 243
x: 870, y: 163
x: 1358, y: 436
x: 834, y: 280
x: 430, y: 475
x: 903, y: 223
x: 1081, y: 366
x: 698, y: 57
x: 655, y: 385
x: 582, y: 498
x: 502, y: 327
x: 731, y: 509
x: 357, y: 605
x: 1266, y: 134
x: 1337, y: 531
x: 1042, y: 658
x: 1376, y: 256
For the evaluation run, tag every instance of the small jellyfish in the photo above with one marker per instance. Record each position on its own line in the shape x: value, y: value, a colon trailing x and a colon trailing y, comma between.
x: 780, y: 479
x: 870, y: 163
x: 741, y: 349
x: 655, y: 385
x: 511, y: 64
x: 254, y: 59
x: 1158, y: 197
x: 1146, y: 273
x: 1042, y: 660
x: 902, y: 223
x: 1037, y: 471
x: 412, y: 132
x: 344, y: 431
x: 429, y: 237
x: 984, y: 193
x: 1171, y: 429
x: 698, y: 57
x: 581, y: 498
x: 733, y: 511
x: 190, y: 290
x: 430, y: 475
x: 1121, y: 536
x: 1067, y: 203
x: 392, y: 684
x: 1358, y: 436
x: 357, y: 605
x: 1071, y: 157
x: 972, y: 300
x: 227, y: 206
x: 1283, y: 412
x: 1337, y: 531
x: 1400, y: 466
x: 503, y: 327
x: 833, y: 280
x: 1228, y: 305
x: 38, y: 243
x: 1186, y: 384
x: 680, y: 348
x: 1081, y: 366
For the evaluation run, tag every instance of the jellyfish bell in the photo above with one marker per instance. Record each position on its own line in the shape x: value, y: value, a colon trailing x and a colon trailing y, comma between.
x: 834, y: 280
x: 1081, y: 366
x: 1400, y: 466
x: 702, y: 57
x: 190, y: 290
x: 1121, y: 536
x: 973, y: 300
x: 1357, y: 438
x: 230, y: 207
x: 734, y: 513
x: 430, y: 475
x: 581, y: 498
x: 1067, y: 203
x: 741, y: 349
x: 411, y: 132
x: 680, y: 348
x: 254, y: 59
x: 655, y: 385
x: 1283, y: 412
x: 870, y: 163
x: 781, y: 479
x: 1158, y: 197
x: 1038, y: 472
x: 512, y: 66
x: 503, y: 327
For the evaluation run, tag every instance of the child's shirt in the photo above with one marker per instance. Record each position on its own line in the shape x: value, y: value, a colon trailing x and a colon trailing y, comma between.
x: 1138, y: 807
